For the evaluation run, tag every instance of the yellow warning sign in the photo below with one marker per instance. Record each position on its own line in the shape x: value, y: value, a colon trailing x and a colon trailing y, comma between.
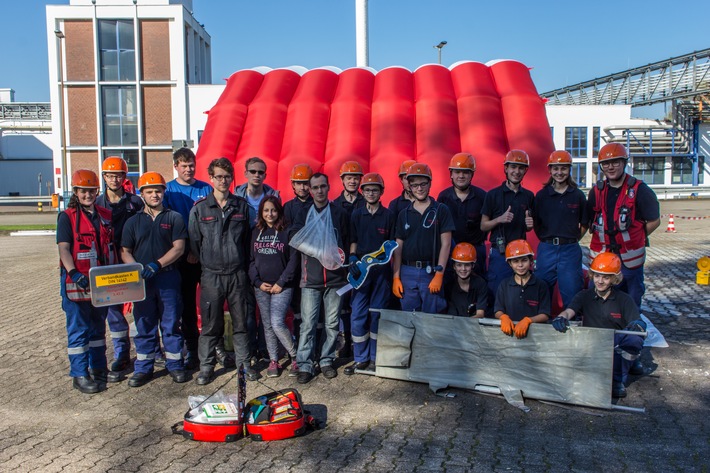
x: 117, y: 278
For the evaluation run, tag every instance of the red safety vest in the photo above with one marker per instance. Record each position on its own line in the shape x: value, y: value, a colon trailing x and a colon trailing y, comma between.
x: 628, y: 237
x: 87, y: 252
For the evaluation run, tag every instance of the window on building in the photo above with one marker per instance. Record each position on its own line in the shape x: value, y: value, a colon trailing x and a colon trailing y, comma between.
x: 579, y: 174
x: 683, y: 170
x: 117, y: 50
x: 552, y: 132
x: 199, y: 135
x: 120, y: 116
x: 649, y: 169
x: 596, y: 141
x: 576, y: 141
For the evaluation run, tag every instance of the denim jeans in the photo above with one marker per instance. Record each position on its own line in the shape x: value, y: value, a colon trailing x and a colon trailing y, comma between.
x: 498, y: 269
x: 272, y: 310
x: 311, y: 300
x: 561, y: 264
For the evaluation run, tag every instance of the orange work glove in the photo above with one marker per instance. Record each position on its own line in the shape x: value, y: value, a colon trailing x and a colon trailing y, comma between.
x: 521, y: 330
x: 397, y: 288
x: 435, y: 284
x: 506, y: 325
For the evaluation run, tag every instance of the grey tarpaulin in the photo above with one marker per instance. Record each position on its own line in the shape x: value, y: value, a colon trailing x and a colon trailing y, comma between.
x: 441, y: 350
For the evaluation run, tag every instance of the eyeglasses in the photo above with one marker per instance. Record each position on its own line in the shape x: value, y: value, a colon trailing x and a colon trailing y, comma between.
x: 614, y: 163
x: 256, y: 171
x: 376, y: 190
x: 114, y: 177
x: 222, y: 177
x: 421, y: 185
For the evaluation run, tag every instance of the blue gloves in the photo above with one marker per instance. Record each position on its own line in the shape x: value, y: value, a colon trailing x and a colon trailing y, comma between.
x: 637, y: 325
x: 150, y: 270
x: 560, y: 324
x: 353, y: 269
x: 79, y: 279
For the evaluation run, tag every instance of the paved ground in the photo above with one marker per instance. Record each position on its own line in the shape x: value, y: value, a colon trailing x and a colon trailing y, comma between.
x: 371, y: 424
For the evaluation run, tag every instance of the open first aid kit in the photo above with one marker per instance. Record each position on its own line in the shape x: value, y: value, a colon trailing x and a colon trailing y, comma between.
x: 225, y: 417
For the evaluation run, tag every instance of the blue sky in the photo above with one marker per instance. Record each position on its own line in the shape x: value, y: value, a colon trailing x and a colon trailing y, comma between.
x: 563, y: 42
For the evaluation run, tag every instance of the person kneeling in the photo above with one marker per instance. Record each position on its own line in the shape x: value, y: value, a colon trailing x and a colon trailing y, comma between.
x: 521, y: 297
x: 603, y: 306
x: 468, y: 295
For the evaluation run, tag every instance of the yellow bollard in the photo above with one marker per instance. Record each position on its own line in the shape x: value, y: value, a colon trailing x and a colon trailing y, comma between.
x: 702, y: 277
x: 39, y: 206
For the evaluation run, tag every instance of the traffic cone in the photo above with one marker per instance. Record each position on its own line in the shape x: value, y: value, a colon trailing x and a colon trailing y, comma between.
x: 671, y: 224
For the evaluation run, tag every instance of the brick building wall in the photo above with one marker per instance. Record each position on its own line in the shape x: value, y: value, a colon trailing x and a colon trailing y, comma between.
x: 160, y: 161
x: 157, y: 115
x: 155, y: 50
x: 81, y: 107
x: 79, y: 47
x: 84, y: 160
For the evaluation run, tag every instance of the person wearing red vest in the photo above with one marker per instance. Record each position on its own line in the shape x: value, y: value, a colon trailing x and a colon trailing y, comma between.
x: 624, y: 211
x: 84, y: 240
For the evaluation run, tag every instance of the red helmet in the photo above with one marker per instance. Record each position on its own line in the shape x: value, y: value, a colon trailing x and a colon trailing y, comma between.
x: 518, y: 248
x: 419, y: 170
x: 114, y: 164
x: 404, y: 167
x: 151, y: 178
x: 351, y: 167
x: 372, y: 178
x: 85, y: 179
x: 517, y: 156
x: 301, y: 172
x: 613, y: 151
x: 464, y: 253
x: 559, y: 156
x: 463, y: 162
x: 606, y: 263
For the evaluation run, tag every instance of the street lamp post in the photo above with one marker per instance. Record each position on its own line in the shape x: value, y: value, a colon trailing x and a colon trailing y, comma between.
x: 439, y: 47
x: 62, y: 127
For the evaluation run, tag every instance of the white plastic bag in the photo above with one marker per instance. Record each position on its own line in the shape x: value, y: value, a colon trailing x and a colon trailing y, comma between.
x: 317, y: 239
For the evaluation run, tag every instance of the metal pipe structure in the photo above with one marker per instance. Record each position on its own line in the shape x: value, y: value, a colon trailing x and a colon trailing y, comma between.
x: 361, y: 39
x: 439, y: 47
x: 64, y: 185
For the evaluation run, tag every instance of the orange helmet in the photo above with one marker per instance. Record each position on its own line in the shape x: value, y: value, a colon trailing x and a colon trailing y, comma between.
x: 372, y: 178
x: 351, y: 167
x: 518, y: 248
x: 151, y: 178
x: 463, y: 162
x: 606, y: 263
x: 404, y: 167
x: 419, y: 170
x: 301, y: 172
x: 517, y: 156
x: 85, y: 179
x: 114, y: 164
x: 464, y: 253
x: 559, y: 156
x: 613, y: 151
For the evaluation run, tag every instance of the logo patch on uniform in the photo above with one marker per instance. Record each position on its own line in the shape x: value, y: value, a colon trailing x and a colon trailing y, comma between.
x: 236, y: 217
x: 632, y: 193
x: 615, y: 315
x: 166, y: 226
x: 381, y: 231
x: 533, y: 303
x: 207, y: 219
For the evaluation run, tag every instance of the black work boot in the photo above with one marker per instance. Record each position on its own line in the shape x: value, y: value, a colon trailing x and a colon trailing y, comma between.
x: 85, y: 384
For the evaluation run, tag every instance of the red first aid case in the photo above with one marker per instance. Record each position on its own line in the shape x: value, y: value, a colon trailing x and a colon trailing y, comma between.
x: 228, y: 431
x: 277, y: 415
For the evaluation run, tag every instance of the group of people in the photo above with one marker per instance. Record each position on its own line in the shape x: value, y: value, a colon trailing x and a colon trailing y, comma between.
x: 242, y: 248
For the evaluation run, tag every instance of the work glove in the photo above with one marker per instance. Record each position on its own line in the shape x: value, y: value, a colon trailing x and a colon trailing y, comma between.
x: 637, y: 325
x: 435, y: 284
x: 521, y: 330
x: 79, y: 279
x: 353, y: 269
x: 397, y: 288
x: 560, y: 324
x: 506, y: 325
x: 150, y: 270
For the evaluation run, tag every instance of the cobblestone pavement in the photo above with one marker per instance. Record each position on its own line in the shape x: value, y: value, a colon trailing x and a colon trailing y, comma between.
x: 371, y: 424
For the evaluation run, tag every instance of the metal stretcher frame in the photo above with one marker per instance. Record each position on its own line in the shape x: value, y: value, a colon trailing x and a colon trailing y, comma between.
x: 446, y: 351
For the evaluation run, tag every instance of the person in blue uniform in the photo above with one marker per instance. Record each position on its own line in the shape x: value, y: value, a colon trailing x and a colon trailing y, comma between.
x: 467, y: 295
x: 507, y: 215
x: 156, y: 238
x: 423, y: 232
x: 123, y: 205
x: 180, y: 195
x: 560, y: 219
x: 84, y: 240
x: 220, y: 235
x: 522, y: 297
x: 370, y: 227
x: 465, y: 201
x: 604, y: 306
x: 403, y: 200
